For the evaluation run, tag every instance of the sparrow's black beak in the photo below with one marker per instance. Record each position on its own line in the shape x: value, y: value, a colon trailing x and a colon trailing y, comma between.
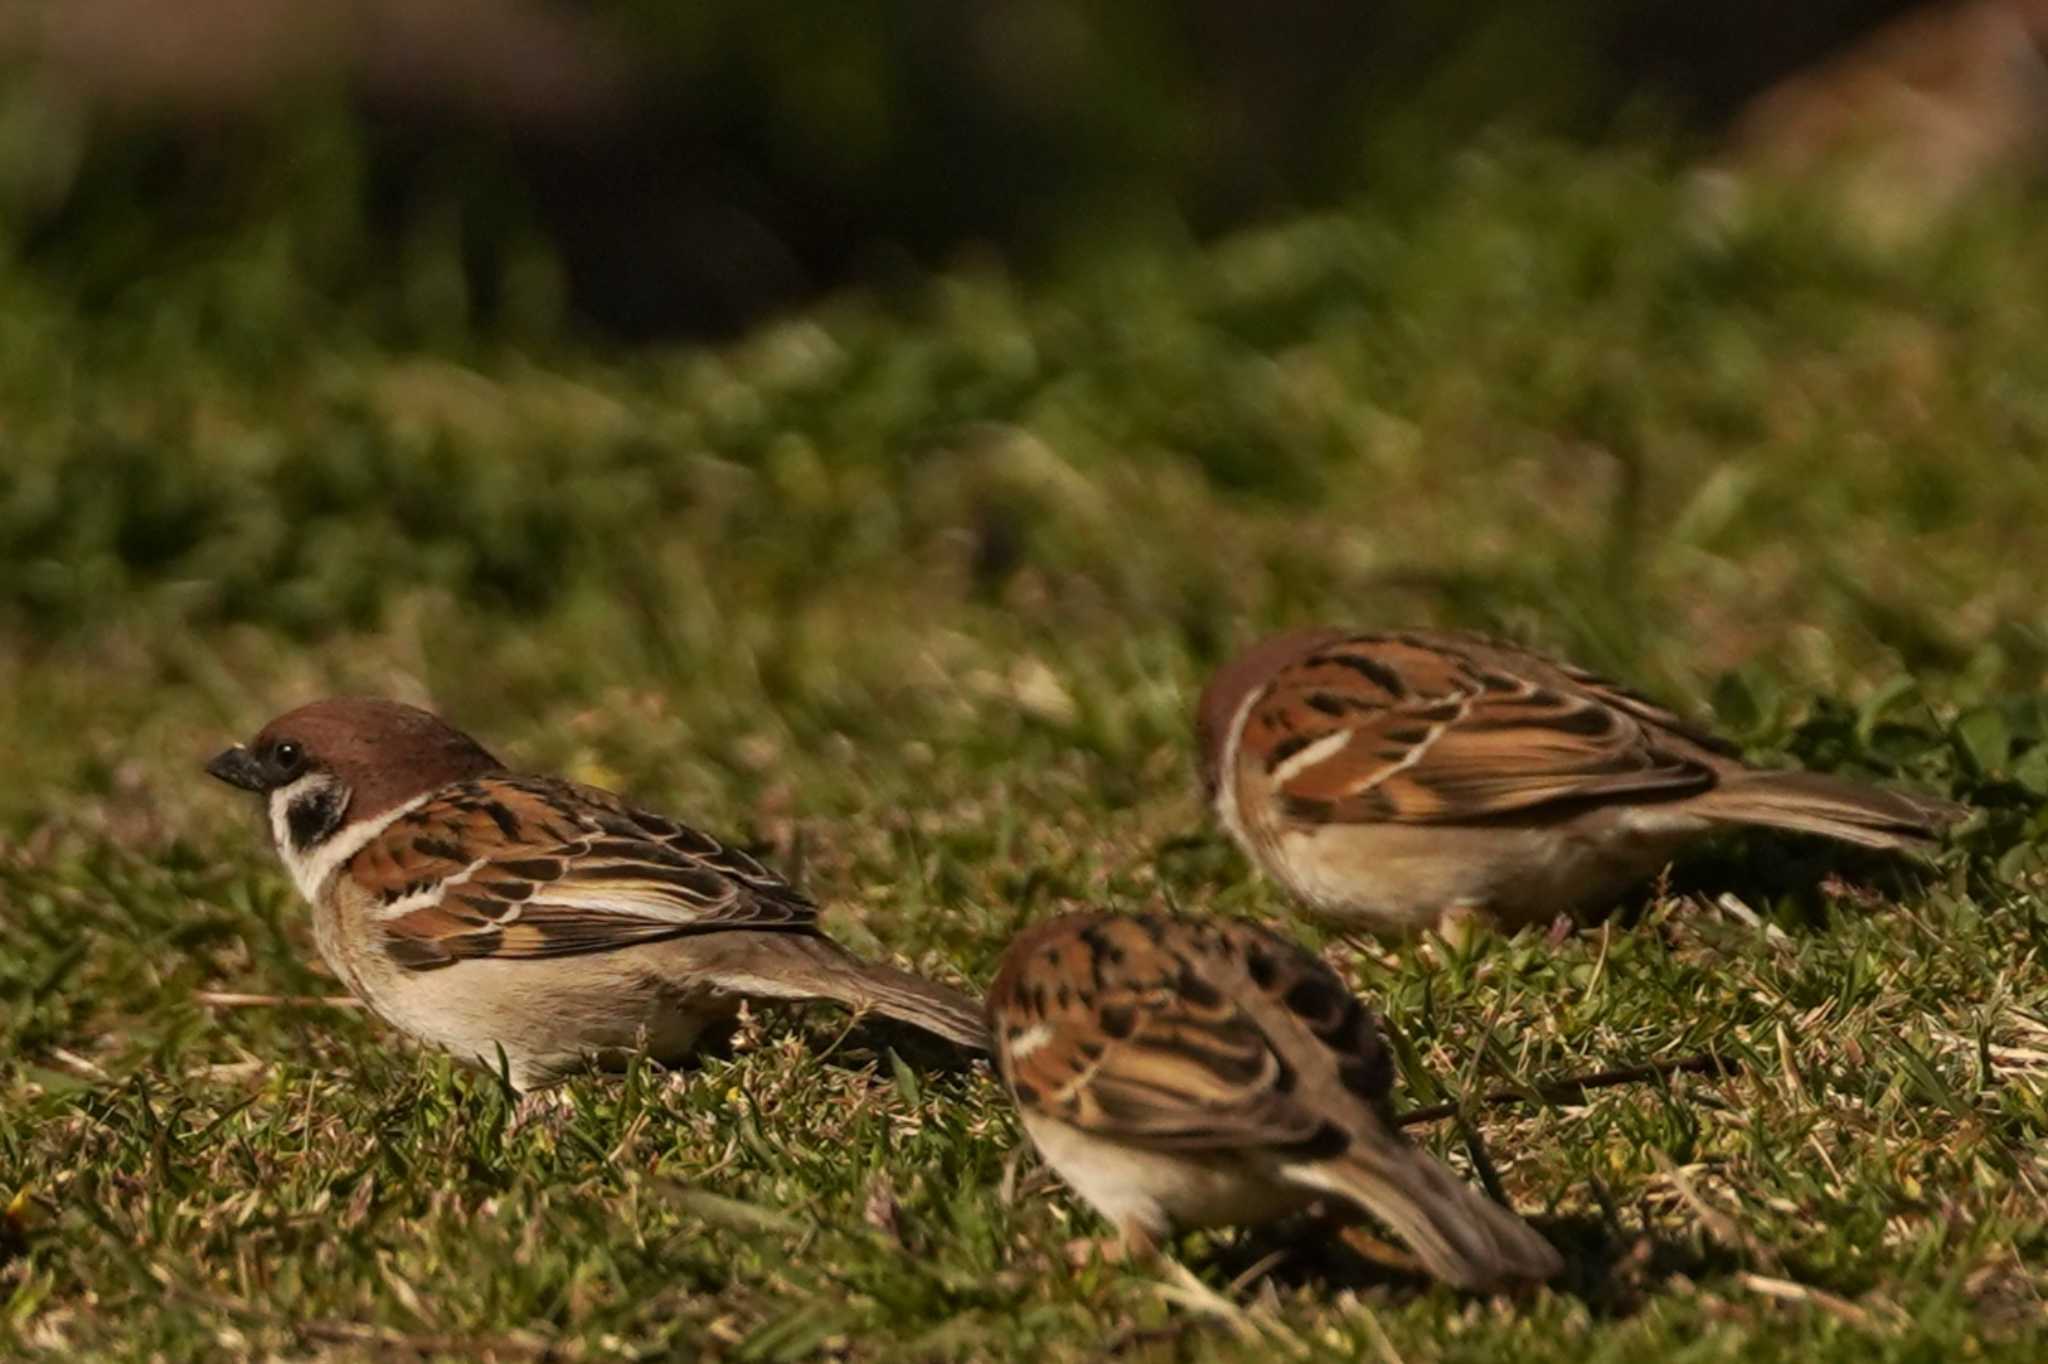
x: 237, y: 767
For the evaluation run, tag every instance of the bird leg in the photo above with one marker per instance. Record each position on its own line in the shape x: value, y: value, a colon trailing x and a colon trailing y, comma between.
x: 1462, y: 926
x: 1132, y: 1244
x: 1349, y: 1225
x: 1367, y: 946
x: 1359, y: 1238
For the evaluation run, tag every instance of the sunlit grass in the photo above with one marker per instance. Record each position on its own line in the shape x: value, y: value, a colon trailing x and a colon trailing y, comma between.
x: 916, y: 592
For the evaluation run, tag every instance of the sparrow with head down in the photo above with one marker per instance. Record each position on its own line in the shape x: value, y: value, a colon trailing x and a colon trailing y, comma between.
x: 1181, y: 1074
x: 1388, y: 779
x: 490, y: 913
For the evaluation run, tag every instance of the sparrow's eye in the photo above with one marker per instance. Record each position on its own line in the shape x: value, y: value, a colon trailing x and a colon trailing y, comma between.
x: 287, y: 757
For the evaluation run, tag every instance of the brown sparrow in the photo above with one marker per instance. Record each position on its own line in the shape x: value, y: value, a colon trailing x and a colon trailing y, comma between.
x: 1182, y: 1074
x: 487, y: 912
x: 1387, y: 779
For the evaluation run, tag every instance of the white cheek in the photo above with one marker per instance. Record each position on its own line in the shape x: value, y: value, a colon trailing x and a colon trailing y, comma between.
x: 311, y: 867
x: 308, y: 866
x: 281, y: 799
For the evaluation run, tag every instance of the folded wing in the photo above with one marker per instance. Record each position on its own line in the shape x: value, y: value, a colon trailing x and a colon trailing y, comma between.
x: 1437, y: 729
x: 530, y: 867
x: 1149, y: 1050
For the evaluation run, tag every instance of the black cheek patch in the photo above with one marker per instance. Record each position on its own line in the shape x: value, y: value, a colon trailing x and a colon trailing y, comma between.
x: 312, y: 819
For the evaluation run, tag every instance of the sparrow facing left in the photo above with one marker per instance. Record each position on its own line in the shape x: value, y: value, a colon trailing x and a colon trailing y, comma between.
x: 483, y: 911
x: 1391, y: 778
x: 1181, y: 1073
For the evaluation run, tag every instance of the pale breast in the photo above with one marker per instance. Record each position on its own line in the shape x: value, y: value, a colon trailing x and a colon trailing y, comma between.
x: 1402, y: 878
x: 548, y: 1016
x: 1157, y: 1191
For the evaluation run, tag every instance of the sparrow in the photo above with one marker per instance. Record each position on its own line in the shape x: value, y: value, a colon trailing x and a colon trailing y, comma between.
x: 1180, y: 1074
x: 1391, y: 779
x: 490, y: 913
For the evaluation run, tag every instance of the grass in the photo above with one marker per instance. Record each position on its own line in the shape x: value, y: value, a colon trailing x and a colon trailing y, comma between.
x: 915, y: 592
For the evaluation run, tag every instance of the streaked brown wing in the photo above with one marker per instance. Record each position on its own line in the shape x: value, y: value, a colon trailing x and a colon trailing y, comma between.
x: 1413, y: 729
x: 1108, y: 1025
x: 529, y: 867
x: 1568, y: 676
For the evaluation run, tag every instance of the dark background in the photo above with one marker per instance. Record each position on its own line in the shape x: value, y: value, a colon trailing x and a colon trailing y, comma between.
x: 645, y: 169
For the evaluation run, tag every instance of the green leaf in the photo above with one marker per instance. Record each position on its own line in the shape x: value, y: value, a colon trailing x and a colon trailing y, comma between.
x: 719, y: 1210
x: 2018, y: 863
x: 1743, y: 703
x: 1985, y: 738
x: 1929, y: 1082
x: 2031, y: 770
x: 1416, y: 1077
x: 1881, y: 702
x: 906, y: 1080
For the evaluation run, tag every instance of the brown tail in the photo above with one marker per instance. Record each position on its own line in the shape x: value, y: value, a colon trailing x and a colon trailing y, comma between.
x: 802, y: 967
x: 1462, y: 1236
x: 1833, y: 807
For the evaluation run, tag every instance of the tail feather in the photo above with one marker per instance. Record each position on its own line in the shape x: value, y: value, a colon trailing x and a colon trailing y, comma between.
x: 1833, y: 807
x: 805, y: 967
x: 938, y: 1009
x: 1460, y: 1235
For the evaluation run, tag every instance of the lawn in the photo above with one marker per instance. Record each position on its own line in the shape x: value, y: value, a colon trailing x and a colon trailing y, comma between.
x: 915, y: 592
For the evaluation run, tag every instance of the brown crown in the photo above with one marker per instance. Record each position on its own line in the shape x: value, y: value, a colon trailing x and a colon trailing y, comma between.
x: 383, y: 751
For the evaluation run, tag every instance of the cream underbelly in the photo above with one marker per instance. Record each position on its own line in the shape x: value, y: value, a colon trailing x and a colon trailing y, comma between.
x: 1400, y: 879
x: 1157, y: 1191
x: 549, y: 1018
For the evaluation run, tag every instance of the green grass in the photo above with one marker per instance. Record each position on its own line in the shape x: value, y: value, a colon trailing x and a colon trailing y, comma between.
x: 916, y: 592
